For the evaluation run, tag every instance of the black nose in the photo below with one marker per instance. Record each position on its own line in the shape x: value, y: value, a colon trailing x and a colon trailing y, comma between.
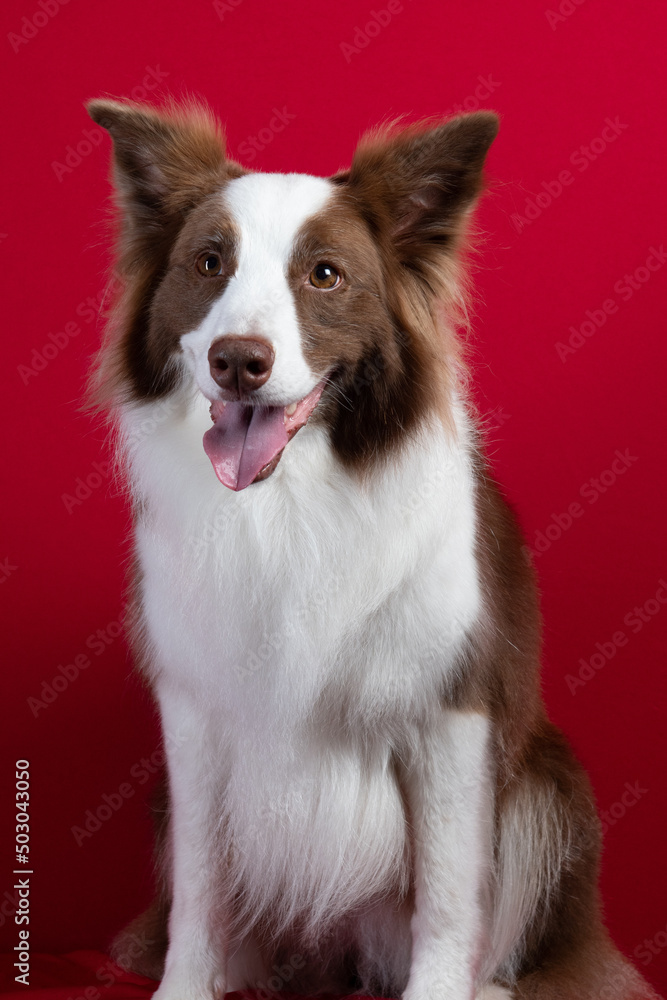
x: 239, y: 364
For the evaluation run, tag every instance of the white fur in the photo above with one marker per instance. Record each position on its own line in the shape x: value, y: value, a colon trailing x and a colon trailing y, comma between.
x: 533, y: 849
x: 268, y: 210
x: 450, y: 798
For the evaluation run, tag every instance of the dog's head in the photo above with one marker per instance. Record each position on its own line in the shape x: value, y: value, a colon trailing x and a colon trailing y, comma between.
x: 281, y: 296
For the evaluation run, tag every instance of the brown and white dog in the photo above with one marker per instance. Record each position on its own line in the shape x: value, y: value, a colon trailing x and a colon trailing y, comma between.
x: 338, y: 625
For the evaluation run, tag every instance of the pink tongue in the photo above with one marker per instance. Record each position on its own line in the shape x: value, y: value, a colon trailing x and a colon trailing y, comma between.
x: 243, y: 440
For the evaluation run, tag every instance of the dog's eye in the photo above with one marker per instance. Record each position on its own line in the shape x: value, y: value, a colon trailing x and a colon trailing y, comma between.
x: 209, y: 264
x: 324, y: 276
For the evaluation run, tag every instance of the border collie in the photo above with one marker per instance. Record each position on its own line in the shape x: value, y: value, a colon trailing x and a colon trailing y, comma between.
x: 330, y: 602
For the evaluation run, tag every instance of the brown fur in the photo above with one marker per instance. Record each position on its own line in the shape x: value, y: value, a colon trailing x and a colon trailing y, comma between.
x: 592, y: 970
x: 385, y: 376
x: 567, y: 954
x: 142, y: 945
x: 164, y: 165
x: 410, y: 189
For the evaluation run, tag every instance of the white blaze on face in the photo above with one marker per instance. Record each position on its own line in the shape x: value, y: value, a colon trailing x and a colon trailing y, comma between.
x: 269, y: 210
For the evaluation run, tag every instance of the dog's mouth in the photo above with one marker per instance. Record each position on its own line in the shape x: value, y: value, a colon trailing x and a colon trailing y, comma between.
x: 246, y: 442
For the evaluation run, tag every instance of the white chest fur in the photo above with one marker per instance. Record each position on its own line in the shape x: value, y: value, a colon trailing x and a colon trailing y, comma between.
x: 304, y: 624
x: 309, y: 579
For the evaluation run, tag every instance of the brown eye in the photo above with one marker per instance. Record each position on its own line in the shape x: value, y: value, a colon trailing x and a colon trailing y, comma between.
x: 209, y: 264
x: 324, y: 276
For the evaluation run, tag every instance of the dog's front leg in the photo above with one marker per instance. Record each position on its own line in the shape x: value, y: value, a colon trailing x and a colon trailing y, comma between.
x: 449, y: 796
x: 195, y: 962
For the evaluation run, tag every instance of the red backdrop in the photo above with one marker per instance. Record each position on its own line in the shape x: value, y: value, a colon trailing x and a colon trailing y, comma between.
x: 568, y: 349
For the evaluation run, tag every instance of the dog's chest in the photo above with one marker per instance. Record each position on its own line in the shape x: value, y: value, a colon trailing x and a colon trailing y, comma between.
x: 319, y: 826
x: 310, y: 595
x: 309, y: 624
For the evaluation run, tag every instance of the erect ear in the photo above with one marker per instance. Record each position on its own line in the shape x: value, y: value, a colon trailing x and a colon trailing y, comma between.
x: 164, y: 162
x: 415, y: 186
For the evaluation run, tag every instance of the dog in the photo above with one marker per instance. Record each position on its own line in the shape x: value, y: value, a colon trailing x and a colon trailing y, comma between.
x: 330, y: 600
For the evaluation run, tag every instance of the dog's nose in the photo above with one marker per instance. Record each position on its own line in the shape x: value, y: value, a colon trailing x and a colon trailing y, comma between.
x: 239, y: 364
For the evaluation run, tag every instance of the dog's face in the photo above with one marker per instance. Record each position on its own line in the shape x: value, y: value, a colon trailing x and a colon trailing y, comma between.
x: 286, y: 297
x: 298, y: 288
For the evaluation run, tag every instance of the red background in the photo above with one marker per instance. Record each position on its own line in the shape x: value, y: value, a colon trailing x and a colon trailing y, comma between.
x: 555, y: 424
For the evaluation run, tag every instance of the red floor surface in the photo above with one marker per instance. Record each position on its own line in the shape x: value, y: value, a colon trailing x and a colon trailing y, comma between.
x: 91, y: 975
x: 81, y: 975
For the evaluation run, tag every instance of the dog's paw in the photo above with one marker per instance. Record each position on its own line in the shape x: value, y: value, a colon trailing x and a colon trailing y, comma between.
x: 173, y: 992
x: 493, y: 992
x: 185, y: 993
x: 180, y: 990
x: 451, y: 990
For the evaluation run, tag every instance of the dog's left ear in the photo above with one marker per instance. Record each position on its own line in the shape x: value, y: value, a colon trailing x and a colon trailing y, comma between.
x: 165, y: 162
x: 415, y: 186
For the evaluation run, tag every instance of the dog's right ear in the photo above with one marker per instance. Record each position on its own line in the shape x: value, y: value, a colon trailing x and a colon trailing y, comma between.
x: 415, y: 186
x: 165, y: 163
